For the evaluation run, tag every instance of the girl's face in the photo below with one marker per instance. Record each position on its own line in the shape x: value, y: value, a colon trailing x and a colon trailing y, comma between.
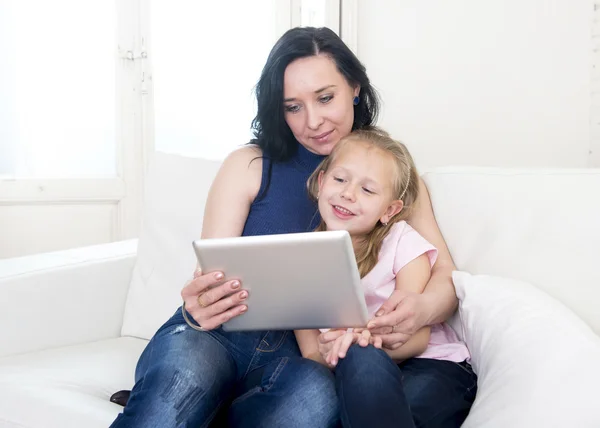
x: 357, y: 190
x: 318, y: 103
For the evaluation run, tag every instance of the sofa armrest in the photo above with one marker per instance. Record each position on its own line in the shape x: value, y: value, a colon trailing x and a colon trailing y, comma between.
x: 65, y: 297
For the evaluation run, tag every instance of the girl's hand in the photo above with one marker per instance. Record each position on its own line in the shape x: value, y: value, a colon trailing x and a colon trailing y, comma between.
x: 211, y: 300
x: 399, y: 318
x: 326, y: 342
x: 334, y: 344
x: 366, y: 338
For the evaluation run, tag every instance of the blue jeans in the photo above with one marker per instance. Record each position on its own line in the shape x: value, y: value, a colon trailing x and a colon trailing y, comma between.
x: 375, y: 391
x: 185, y: 377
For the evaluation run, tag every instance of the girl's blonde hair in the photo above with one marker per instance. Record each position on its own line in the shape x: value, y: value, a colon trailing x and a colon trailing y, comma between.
x: 405, y: 188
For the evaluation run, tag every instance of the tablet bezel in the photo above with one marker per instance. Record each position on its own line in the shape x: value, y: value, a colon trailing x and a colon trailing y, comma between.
x: 294, y: 281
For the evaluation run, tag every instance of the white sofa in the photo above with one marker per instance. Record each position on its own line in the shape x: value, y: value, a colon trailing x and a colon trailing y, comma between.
x: 73, y: 323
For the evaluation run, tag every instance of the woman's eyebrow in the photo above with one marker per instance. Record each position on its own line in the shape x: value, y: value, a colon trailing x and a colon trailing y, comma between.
x: 324, y: 88
x: 318, y: 91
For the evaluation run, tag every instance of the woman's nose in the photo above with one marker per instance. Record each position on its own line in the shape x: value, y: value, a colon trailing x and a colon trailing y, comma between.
x: 315, y: 120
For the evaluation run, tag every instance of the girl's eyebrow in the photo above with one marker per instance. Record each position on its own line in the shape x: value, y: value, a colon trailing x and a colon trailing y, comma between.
x: 318, y: 91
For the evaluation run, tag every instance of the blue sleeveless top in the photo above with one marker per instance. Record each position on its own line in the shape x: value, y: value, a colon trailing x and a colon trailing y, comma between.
x: 282, y: 204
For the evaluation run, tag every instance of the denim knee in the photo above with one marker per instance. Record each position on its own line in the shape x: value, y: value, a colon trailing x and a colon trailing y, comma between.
x: 295, y: 392
x: 362, y: 358
x: 313, y: 383
x: 310, y: 396
x: 367, y: 364
x: 183, y: 377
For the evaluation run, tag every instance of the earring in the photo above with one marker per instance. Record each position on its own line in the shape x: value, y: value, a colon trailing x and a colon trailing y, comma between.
x: 356, y: 100
x: 385, y: 224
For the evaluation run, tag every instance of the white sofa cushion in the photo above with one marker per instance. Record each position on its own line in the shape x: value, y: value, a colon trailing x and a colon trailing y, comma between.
x: 41, y: 295
x: 536, y: 360
x: 540, y: 226
x: 67, y: 387
x: 174, y: 199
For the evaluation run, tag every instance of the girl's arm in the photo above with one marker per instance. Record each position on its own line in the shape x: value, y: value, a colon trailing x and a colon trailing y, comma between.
x: 408, y: 312
x: 309, y: 345
x: 413, y: 278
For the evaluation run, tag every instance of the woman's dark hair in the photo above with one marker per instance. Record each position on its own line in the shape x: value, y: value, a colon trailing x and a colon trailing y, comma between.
x: 271, y: 132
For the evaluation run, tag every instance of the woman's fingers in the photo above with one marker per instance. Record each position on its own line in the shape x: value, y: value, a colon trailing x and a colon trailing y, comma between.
x: 211, y: 304
x: 215, y: 294
x: 382, y: 330
x: 394, y: 340
x: 200, y: 284
x: 226, y: 303
x: 215, y: 321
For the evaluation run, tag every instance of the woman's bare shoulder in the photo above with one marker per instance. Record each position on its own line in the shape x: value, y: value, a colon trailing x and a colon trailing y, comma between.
x: 243, y: 167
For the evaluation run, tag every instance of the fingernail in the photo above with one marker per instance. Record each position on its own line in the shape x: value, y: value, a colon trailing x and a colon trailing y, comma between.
x: 243, y: 294
x: 235, y: 284
x: 371, y: 325
x: 244, y: 309
x: 379, y: 313
x: 219, y: 275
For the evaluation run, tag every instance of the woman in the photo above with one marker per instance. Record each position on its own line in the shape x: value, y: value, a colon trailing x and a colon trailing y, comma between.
x: 312, y: 92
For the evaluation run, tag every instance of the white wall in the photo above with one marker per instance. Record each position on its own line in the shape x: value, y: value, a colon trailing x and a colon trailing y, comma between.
x: 481, y: 82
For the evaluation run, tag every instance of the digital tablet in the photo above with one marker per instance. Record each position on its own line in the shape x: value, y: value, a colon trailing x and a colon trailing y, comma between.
x: 294, y: 281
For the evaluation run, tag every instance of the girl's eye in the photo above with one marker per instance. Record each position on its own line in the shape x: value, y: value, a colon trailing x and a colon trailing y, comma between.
x: 370, y: 192
x: 325, y: 99
x: 338, y: 179
x: 292, y: 108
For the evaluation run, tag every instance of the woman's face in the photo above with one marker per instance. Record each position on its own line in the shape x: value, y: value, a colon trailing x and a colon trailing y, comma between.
x: 318, y: 103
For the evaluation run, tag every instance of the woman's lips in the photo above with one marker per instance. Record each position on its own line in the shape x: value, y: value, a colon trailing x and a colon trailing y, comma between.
x: 322, y: 138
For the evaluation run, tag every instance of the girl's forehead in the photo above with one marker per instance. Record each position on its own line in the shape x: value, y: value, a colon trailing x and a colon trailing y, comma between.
x: 361, y: 152
x: 364, y: 158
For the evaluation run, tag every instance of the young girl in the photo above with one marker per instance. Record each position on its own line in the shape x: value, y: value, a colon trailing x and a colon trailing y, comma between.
x: 367, y: 186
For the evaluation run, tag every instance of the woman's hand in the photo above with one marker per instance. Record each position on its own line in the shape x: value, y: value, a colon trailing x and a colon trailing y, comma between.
x: 210, y: 304
x: 399, y: 318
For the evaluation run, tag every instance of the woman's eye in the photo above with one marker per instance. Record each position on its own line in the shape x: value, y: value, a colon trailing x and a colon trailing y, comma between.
x: 292, y: 108
x: 325, y: 99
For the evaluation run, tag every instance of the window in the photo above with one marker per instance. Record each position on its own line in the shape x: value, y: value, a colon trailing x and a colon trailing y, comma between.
x: 206, y: 61
x: 57, y: 80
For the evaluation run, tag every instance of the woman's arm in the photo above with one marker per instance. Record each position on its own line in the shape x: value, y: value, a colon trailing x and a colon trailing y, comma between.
x: 227, y: 206
x: 232, y: 192
x: 416, y: 345
x: 439, y: 296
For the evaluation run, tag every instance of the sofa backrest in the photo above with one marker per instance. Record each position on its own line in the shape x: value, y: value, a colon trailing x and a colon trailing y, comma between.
x: 533, y: 225
x: 174, y: 197
x: 540, y: 226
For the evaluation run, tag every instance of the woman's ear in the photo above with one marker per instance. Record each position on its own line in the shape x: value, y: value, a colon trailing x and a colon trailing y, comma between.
x: 356, y: 90
x: 394, y: 208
